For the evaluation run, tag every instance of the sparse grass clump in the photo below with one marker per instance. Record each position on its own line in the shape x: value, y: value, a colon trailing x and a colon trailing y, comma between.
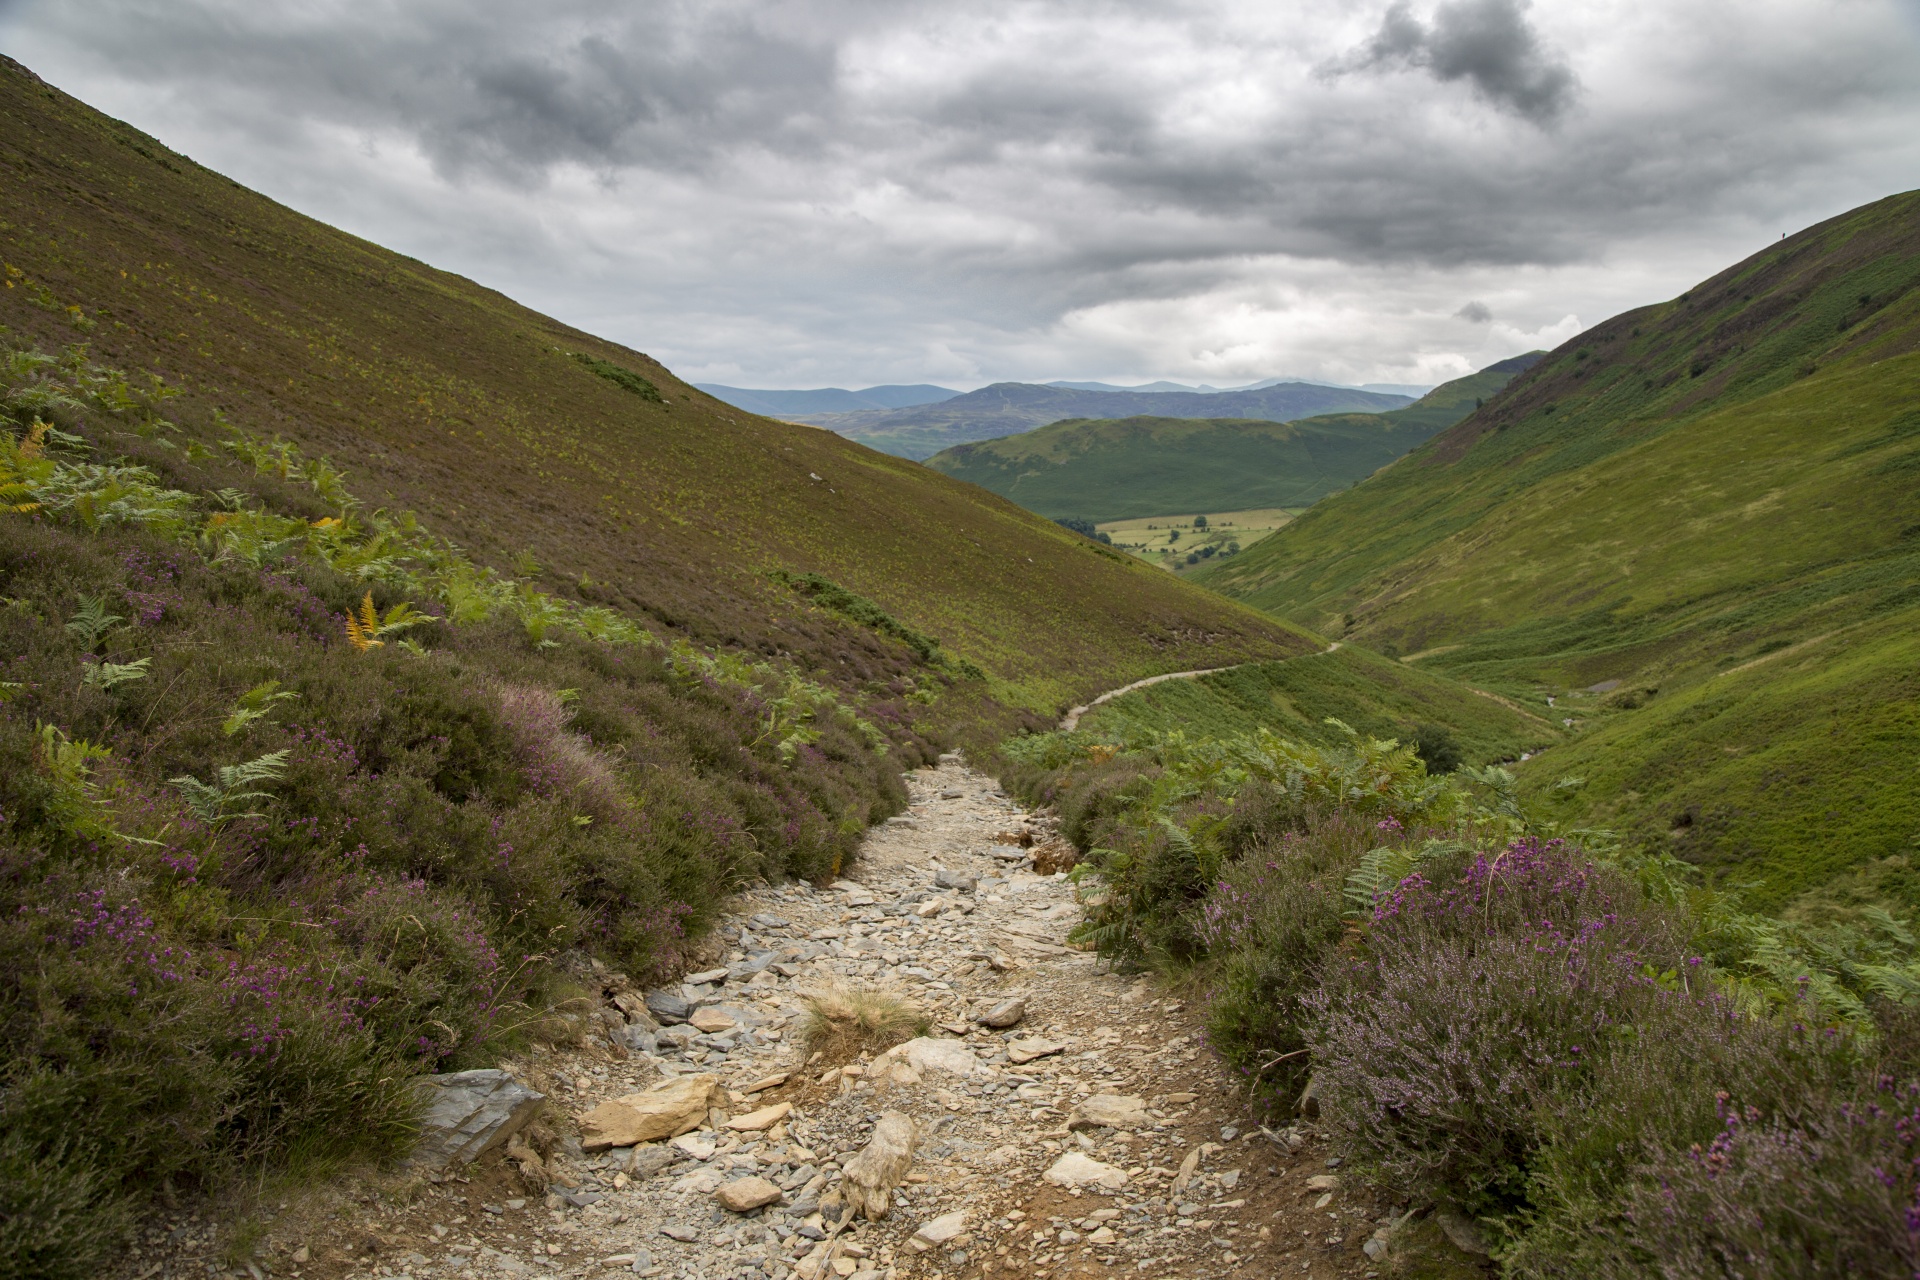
x: 842, y: 1023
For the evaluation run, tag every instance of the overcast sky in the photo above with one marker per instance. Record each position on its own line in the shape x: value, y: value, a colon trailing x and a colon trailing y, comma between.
x: 782, y: 193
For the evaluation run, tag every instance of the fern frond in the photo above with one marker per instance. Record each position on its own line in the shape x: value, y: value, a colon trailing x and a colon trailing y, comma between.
x: 363, y: 632
x: 255, y: 704
x: 109, y: 675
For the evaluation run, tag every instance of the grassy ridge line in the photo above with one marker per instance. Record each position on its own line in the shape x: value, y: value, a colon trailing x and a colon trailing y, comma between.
x: 1107, y: 469
x: 1680, y: 492
x: 447, y: 398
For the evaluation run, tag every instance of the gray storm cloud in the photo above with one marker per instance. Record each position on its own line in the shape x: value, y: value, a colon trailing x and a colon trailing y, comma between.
x: 839, y: 190
x: 1487, y: 43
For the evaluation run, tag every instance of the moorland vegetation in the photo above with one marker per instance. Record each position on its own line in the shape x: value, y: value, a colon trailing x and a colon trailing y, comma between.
x: 1581, y: 1051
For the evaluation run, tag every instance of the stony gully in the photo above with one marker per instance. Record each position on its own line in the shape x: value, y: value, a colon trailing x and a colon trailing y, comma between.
x: 1053, y: 1119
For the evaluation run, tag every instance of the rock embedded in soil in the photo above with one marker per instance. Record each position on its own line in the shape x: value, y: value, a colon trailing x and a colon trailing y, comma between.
x: 938, y: 1231
x: 470, y: 1113
x: 679, y: 1106
x: 928, y: 1055
x: 1021, y: 1052
x: 711, y: 1021
x: 1109, y: 1111
x: 744, y: 1195
x: 1077, y: 1169
x: 1007, y: 1013
x: 881, y: 1165
x: 764, y: 1118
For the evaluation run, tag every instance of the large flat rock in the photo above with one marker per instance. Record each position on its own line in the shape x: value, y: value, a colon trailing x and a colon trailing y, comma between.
x: 469, y: 1113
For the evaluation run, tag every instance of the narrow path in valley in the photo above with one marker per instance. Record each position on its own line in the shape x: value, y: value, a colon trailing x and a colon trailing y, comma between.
x: 1071, y: 721
x: 1088, y: 1135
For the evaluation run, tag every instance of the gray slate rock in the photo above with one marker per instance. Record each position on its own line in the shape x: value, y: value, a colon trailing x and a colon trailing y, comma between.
x: 469, y: 1113
x: 948, y: 878
x: 1005, y: 1014
x: 669, y: 1006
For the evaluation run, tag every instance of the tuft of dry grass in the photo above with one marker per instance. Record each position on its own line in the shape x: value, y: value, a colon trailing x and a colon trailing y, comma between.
x: 842, y: 1023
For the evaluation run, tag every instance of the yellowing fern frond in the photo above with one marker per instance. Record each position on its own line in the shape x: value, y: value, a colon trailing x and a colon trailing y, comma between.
x: 364, y: 631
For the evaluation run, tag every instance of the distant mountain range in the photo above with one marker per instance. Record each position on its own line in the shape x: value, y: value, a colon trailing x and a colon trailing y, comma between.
x: 798, y: 405
x: 1118, y: 468
x: 1008, y: 408
x: 1390, y: 388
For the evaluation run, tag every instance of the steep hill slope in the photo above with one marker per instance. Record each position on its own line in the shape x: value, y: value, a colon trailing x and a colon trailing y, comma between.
x: 1707, y: 512
x: 596, y: 470
x: 1006, y: 408
x: 1112, y: 469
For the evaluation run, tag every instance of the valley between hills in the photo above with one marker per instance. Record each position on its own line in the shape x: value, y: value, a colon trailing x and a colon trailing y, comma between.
x: 474, y: 805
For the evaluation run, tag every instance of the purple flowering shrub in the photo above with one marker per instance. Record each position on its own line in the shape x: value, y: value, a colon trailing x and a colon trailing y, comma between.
x: 1834, y: 1191
x: 1480, y: 998
x: 190, y: 994
x: 1273, y: 916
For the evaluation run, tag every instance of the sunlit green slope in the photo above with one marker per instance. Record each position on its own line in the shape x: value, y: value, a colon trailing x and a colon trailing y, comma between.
x: 1715, y: 503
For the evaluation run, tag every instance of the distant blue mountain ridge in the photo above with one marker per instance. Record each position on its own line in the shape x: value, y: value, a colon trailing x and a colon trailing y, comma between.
x: 779, y: 403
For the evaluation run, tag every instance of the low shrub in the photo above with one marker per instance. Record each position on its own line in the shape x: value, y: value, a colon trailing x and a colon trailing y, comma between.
x: 259, y: 867
x: 1832, y: 1193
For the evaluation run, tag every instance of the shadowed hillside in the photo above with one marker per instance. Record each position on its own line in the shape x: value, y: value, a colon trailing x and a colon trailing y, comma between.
x: 1697, y: 526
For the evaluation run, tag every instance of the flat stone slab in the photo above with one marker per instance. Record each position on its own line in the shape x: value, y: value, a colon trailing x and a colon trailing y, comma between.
x: 469, y: 1113
x: 1109, y: 1111
x: 1076, y: 1169
x: 677, y: 1107
x: 1024, y: 1051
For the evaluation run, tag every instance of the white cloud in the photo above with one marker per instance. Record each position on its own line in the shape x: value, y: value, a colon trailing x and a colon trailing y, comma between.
x: 804, y: 192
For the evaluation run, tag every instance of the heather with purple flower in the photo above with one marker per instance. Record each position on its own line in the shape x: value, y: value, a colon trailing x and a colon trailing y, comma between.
x: 266, y: 874
x: 1543, y: 1037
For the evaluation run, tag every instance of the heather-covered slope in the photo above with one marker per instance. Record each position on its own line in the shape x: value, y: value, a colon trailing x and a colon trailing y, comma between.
x: 528, y: 442
x: 1707, y: 512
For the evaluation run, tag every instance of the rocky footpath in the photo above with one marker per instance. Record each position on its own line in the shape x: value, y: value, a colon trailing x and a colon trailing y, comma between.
x: 1055, y: 1120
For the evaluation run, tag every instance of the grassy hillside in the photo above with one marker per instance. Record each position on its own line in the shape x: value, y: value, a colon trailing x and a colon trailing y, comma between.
x: 1007, y: 408
x: 1707, y: 512
x: 1296, y: 697
x: 1097, y: 469
x: 590, y: 467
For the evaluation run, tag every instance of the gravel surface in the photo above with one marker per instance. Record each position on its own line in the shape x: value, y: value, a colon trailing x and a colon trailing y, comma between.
x: 943, y: 907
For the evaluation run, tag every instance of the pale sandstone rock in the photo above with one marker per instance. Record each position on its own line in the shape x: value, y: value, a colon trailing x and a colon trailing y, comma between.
x: 744, y: 1195
x: 1109, y: 1111
x: 881, y: 1166
x: 938, y: 1231
x: 764, y: 1118
x: 1075, y: 1169
x: 679, y: 1106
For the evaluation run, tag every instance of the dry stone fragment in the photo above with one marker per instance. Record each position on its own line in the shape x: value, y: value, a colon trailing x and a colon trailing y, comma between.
x: 744, y: 1195
x: 764, y: 1118
x: 928, y: 1054
x: 1076, y: 1169
x: 469, y: 1113
x: 677, y: 1107
x: 1005, y: 1014
x: 711, y: 1021
x: 938, y: 1231
x: 1020, y: 1052
x: 1109, y: 1111
x: 870, y: 1176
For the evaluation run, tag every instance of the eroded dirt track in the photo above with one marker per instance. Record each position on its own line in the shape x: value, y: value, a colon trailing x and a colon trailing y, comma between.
x: 943, y: 907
